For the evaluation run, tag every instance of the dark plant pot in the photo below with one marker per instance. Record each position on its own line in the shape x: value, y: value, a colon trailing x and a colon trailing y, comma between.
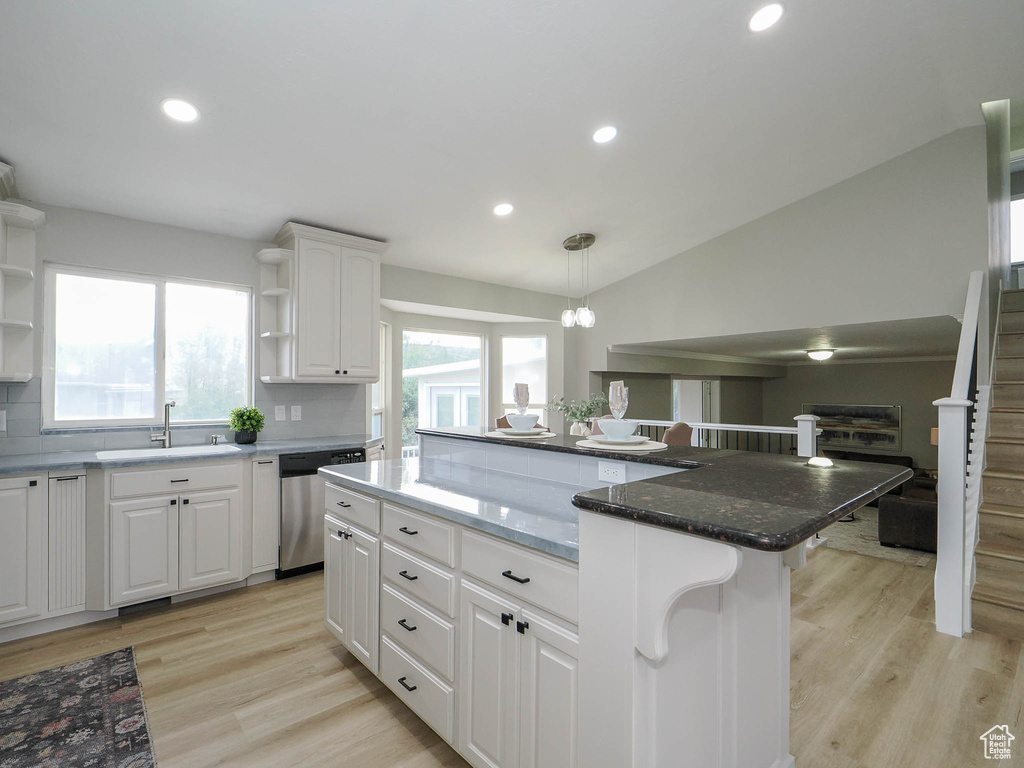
x: 245, y: 437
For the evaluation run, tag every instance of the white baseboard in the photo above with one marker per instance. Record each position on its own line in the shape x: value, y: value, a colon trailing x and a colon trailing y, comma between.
x: 260, y: 578
x: 186, y: 596
x: 41, y: 627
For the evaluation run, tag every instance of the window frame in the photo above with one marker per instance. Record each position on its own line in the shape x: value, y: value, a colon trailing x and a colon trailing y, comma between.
x: 380, y: 408
x: 511, y: 407
x: 48, y: 378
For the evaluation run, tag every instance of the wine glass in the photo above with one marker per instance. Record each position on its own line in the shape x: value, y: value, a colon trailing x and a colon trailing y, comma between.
x: 618, y: 399
x: 521, y: 395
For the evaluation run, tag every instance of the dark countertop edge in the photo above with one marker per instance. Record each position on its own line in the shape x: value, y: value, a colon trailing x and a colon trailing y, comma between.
x: 728, y: 535
x: 541, y: 445
x: 565, y: 552
x: 52, y: 461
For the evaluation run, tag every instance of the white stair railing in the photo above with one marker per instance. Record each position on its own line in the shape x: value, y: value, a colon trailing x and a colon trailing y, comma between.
x: 803, y: 437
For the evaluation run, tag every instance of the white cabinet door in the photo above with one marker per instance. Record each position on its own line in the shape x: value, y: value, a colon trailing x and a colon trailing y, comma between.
x: 360, y: 318
x: 489, y: 673
x: 66, y: 507
x: 266, y: 515
x: 362, y: 597
x: 335, y: 578
x: 22, y: 536
x: 210, y: 539
x: 318, y: 326
x: 547, y: 716
x: 143, y: 549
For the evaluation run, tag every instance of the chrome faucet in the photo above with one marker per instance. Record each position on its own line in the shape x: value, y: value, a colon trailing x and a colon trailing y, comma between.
x: 165, y: 438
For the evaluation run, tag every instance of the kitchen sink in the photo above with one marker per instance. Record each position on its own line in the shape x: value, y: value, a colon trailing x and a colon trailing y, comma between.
x: 182, y: 450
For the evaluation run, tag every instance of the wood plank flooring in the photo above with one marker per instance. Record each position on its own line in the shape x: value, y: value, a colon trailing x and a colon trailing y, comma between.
x: 250, y: 678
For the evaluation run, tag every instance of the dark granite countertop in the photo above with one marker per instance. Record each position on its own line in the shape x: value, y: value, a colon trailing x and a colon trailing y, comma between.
x: 758, y: 500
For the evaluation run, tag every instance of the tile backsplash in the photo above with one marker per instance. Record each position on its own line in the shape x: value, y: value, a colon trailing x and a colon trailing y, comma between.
x: 327, y: 409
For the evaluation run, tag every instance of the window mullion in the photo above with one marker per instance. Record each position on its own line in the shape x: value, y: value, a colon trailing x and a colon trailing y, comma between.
x: 160, y: 353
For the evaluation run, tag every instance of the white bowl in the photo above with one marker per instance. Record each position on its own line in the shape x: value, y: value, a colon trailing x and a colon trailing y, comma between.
x: 522, y: 422
x: 618, y: 429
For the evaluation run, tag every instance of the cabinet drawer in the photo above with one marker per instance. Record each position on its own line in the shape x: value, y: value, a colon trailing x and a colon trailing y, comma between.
x: 418, y: 630
x: 422, y: 534
x: 354, y: 507
x: 181, y: 479
x: 551, y: 584
x: 420, y: 579
x: 431, y: 698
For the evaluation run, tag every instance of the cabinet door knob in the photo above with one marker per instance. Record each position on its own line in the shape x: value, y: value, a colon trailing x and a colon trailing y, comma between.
x: 506, y: 618
x: 184, y: 501
x: 174, y: 502
x: 347, y: 535
x: 406, y: 627
x: 344, y: 373
x: 339, y: 535
x: 405, y: 530
x: 338, y: 371
x: 410, y: 688
x: 522, y: 626
x: 405, y: 575
x: 517, y: 579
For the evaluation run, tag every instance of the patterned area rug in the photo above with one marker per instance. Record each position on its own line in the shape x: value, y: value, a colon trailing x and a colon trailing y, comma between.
x: 861, y: 536
x: 89, y: 714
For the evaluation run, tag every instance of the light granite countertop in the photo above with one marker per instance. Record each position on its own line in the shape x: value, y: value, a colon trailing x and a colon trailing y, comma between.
x: 60, y: 461
x: 536, y: 513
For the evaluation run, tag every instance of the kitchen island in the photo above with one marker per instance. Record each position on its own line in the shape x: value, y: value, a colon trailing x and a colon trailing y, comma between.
x: 646, y: 624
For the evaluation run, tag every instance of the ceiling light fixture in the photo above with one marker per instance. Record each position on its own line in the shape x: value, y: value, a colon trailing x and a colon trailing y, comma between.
x: 606, y: 134
x: 503, y: 209
x: 766, y: 17
x: 820, y: 354
x: 584, y: 315
x: 179, y: 110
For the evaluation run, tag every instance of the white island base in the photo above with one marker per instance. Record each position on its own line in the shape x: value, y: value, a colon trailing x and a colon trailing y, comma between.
x: 684, y: 649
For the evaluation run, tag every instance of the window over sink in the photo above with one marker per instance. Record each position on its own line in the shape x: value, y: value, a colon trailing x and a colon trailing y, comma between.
x: 118, y: 346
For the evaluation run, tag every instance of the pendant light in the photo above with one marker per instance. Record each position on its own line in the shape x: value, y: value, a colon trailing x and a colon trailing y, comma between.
x: 568, y: 314
x: 584, y: 315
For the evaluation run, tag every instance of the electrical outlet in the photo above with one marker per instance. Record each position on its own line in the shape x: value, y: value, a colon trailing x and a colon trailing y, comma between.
x: 611, y: 472
x: 3, y: 421
x: 296, y: 413
x: 279, y: 413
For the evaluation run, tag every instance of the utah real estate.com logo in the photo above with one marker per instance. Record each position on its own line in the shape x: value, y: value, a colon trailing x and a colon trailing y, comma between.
x: 997, y: 742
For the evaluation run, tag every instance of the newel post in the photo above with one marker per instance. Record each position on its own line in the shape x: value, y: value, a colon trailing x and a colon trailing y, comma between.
x: 952, y: 565
x: 807, y: 435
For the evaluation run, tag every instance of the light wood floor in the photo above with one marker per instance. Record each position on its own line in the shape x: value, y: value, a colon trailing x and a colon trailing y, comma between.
x: 251, y: 678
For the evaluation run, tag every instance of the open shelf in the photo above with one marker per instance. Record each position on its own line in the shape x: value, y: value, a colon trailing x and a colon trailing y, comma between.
x: 273, y: 256
x: 23, y: 325
x: 15, y: 378
x: 275, y: 335
x: 12, y: 271
x: 273, y: 293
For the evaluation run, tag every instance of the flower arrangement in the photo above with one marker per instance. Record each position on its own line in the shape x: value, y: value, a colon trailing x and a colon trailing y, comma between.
x: 246, y: 421
x: 578, y: 411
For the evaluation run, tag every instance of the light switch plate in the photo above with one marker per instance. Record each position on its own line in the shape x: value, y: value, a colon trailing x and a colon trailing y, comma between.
x: 611, y: 472
x: 3, y: 421
x: 296, y: 413
x: 279, y: 413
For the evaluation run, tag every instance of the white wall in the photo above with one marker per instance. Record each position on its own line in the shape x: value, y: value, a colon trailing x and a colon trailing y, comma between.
x: 895, y: 242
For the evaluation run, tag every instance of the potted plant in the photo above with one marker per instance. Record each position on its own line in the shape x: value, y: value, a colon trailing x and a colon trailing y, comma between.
x: 247, y: 421
x: 578, y: 412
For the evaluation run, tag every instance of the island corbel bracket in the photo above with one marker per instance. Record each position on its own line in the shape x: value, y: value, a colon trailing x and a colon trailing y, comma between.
x: 667, y: 567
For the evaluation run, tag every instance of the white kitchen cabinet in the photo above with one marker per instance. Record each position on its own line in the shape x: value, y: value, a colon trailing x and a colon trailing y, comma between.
x: 210, y: 539
x: 549, y: 664
x: 352, y: 589
x: 22, y: 548
x: 143, y: 549
x: 360, y: 314
x: 318, y: 330
x: 66, y: 540
x: 266, y: 515
x: 489, y: 674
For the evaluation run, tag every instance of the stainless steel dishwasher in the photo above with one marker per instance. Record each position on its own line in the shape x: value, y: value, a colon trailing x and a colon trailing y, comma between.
x: 302, y: 507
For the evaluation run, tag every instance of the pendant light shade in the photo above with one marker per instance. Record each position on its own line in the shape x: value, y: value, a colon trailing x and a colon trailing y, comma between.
x: 583, y: 316
x: 568, y: 318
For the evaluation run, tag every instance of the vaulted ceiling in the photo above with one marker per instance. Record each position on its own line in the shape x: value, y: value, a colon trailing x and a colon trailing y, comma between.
x: 408, y: 120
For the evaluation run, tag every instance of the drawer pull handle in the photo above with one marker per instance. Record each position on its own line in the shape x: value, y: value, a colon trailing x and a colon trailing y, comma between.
x: 406, y: 627
x: 180, y: 481
x: 343, y: 504
x: 268, y: 461
x: 517, y: 579
x: 403, y: 529
x: 506, y: 618
x: 405, y: 575
x: 410, y: 688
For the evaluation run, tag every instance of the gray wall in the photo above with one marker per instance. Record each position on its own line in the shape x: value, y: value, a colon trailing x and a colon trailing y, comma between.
x: 85, y: 238
x: 912, y: 385
x: 741, y: 403
x: 650, y: 395
x: 897, y: 241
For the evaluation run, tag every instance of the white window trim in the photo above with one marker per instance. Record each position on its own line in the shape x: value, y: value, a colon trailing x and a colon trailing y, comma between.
x: 385, y: 367
x: 501, y: 367
x: 51, y: 270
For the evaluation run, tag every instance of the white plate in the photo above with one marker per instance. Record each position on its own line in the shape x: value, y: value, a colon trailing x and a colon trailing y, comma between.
x: 649, y: 445
x: 528, y: 436
x: 631, y: 440
x: 521, y: 433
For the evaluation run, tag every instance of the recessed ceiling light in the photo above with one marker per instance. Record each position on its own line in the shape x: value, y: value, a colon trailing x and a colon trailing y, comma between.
x: 503, y: 209
x: 820, y: 354
x: 765, y: 17
x: 179, y: 110
x: 606, y: 134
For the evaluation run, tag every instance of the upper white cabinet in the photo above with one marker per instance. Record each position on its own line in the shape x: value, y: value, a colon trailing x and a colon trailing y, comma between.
x: 320, y: 307
x: 22, y: 548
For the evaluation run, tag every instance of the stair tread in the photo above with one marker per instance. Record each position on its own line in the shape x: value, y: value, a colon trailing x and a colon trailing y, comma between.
x: 1004, y: 510
x: 997, y: 598
x: 1005, y: 409
x: 1005, y: 440
x: 1003, y: 474
x: 1010, y: 381
x: 987, y: 549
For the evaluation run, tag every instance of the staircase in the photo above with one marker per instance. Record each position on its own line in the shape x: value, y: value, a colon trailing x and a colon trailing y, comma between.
x: 997, y: 603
